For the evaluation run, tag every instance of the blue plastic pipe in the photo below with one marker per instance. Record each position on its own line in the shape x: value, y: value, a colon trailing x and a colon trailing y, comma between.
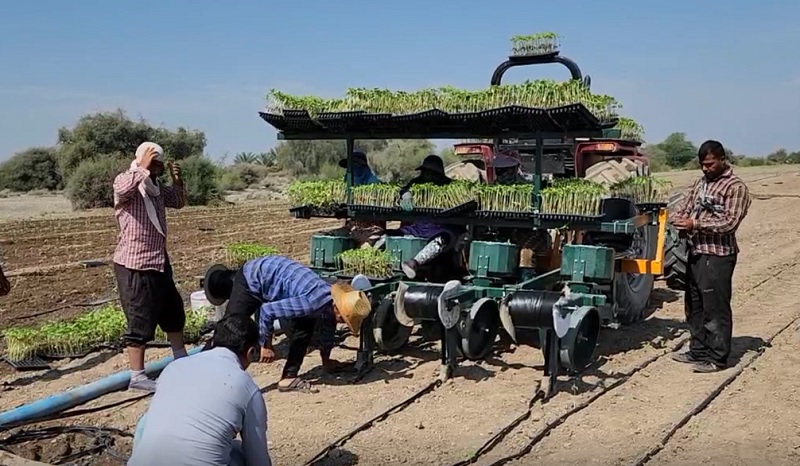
x: 77, y: 396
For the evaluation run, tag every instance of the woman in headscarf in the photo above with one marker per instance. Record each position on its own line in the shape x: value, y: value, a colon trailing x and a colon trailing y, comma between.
x: 439, y: 236
x: 362, y: 175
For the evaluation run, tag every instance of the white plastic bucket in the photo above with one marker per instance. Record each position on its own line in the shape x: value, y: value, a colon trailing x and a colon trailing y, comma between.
x: 199, y: 303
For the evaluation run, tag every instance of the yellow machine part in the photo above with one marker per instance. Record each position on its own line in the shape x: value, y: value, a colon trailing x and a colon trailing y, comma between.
x: 650, y: 266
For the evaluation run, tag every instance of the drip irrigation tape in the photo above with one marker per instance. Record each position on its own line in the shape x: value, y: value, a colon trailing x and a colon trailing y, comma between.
x: 104, y: 437
x: 498, y: 437
x: 545, y: 431
x: 380, y: 417
x: 711, y: 397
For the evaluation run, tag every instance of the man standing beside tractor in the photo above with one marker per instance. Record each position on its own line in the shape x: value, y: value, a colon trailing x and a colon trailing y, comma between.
x: 709, y: 217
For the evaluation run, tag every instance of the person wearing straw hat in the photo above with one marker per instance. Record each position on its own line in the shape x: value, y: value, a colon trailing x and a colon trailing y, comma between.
x: 277, y: 287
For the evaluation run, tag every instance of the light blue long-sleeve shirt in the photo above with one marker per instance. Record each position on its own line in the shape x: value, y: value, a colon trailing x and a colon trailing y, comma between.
x: 201, y: 403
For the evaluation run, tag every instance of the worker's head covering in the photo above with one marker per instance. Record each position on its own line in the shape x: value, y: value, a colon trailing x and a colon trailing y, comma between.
x: 432, y: 163
x: 359, y: 158
x: 143, y: 147
x: 353, y: 305
x: 218, y: 284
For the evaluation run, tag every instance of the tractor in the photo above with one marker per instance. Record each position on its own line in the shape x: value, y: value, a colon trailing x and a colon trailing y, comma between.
x: 592, y: 269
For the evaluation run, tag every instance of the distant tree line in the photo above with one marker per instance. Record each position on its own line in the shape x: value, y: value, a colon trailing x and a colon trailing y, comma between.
x: 88, y: 156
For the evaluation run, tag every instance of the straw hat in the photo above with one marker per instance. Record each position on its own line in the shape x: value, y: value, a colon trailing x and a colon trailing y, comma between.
x: 353, y: 305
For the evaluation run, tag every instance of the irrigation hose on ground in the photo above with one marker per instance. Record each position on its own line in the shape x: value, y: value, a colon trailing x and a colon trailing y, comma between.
x: 104, y: 440
x: 380, y: 417
x: 503, y: 433
x: 711, y: 397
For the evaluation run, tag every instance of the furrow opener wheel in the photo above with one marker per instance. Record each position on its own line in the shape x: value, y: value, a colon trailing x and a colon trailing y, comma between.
x: 479, y: 329
x: 390, y: 335
x: 676, y: 253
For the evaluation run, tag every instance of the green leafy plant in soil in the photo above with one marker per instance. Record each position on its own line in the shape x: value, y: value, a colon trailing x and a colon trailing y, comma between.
x: 506, y: 197
x: 443, y: 197
x: 534, y: 94
x: 630, y: 129
x: 370, y: 262
x: 377, y: 194
x: 535, y: 44
x: 573, y: 196
x: 236, y: 254
x: 642, y: 189
x: 103, y: 326
x: 321, y: 195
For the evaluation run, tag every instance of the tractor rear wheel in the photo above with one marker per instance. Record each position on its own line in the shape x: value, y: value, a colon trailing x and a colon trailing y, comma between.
x: 609, y: 172
x: 676, y: 252
x: 631, y: 290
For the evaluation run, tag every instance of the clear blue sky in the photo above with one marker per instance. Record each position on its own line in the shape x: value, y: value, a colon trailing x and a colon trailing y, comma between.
x: 728, y: 70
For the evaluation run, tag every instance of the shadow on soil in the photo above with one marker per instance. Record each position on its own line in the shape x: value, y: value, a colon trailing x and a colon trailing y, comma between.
x: 338, y: 457
x: 743, y: 345
x: 653, y: 332
x: 386, y: 367
x: 94, y: 359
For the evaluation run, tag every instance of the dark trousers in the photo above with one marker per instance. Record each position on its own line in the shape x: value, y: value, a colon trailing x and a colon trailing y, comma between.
x: 708, y: 307
x: 300, y: 331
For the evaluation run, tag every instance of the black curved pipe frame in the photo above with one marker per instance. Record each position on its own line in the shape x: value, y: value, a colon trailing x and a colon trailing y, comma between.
x: 555, y: 57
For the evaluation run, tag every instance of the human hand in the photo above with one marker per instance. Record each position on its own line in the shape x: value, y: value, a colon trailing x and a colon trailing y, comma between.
x: 175, y: 172
x: 150, y: 154
x: 683, y: 223
x: 406, y: 202
x: 267, y: 355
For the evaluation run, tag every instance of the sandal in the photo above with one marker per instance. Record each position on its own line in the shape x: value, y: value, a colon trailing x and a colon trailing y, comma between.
x: 298, y: 385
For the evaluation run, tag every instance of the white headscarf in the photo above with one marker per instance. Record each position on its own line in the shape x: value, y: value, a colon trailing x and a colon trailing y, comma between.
x: 148, y: 188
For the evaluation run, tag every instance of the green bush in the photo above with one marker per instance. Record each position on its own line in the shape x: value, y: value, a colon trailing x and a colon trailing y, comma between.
x: 200, y: 175
x: 242, y: 176
x: 91, y: 185
x: 35, y: 168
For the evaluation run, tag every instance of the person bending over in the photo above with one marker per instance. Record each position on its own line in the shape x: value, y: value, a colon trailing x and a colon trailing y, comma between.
x: 202, y: 402
x: 279, y: 288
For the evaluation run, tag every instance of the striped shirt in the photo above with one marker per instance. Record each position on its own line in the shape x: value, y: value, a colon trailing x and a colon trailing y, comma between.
x: 289, y: 290
x: 717, y: 208
x: 139, y: 245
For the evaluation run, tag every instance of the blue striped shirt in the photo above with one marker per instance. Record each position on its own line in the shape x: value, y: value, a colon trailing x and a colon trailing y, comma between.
x: 289, y: 290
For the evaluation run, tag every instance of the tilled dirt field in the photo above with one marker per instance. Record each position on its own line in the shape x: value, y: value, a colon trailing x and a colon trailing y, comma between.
x: 630, y: 407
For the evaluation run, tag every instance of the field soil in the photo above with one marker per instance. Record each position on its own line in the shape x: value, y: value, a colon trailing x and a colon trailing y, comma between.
x: 755, y: 420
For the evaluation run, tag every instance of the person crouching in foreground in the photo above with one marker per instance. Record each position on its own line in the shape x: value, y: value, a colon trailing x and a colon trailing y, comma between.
x: 147, y: 290
x: 203, y: 402
x: 279, y: 288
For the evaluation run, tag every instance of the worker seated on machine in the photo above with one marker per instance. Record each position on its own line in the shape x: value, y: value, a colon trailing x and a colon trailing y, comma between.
x: 362, y: 174
x: 441, y: 238
x: 277, y: 287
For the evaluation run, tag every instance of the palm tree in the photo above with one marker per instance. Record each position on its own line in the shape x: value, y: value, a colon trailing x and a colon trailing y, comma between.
x: 245, y: 157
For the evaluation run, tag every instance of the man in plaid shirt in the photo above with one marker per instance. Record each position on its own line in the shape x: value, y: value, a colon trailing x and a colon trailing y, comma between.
x: 710, y: 216
x: 276, y: 287
x: 146, y: 288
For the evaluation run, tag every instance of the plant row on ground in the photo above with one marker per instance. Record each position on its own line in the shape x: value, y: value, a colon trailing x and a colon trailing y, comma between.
x: 103, y: 326
x: 573, y: 196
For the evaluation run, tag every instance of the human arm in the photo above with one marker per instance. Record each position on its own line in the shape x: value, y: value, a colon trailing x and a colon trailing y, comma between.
x: 685, y: 206
x: 737, y: 203
x: 254, y: 432
x: 126, y: 184
x: 175, y: 195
